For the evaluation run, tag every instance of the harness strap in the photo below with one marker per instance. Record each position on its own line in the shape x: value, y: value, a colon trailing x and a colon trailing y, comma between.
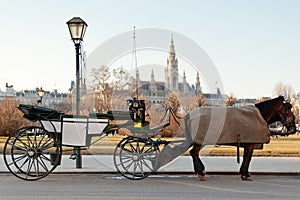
x: 175, y: 116
x: 238, y: 148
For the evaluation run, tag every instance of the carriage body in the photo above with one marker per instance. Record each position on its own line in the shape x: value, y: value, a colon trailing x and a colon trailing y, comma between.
x: 76, y: 131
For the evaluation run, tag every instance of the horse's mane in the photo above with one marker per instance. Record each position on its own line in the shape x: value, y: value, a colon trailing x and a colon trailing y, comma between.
x: 266, y: 108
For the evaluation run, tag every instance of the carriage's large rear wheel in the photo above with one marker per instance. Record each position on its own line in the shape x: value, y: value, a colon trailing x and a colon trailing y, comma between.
x: 31, y: 153
x: 133, y: 157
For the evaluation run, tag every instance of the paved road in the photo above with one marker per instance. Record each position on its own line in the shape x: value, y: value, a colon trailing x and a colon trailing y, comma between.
x: 111, y: 186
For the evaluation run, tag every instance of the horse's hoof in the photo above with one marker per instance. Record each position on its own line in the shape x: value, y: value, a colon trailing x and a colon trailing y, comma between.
x: 201, y: 177
x: 246, y: 178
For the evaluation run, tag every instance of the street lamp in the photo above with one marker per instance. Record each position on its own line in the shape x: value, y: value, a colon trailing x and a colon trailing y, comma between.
x: 41, y: 94
x: 77, y: 28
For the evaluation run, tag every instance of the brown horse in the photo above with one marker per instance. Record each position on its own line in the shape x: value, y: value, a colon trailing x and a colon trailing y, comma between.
x: 272, y: 111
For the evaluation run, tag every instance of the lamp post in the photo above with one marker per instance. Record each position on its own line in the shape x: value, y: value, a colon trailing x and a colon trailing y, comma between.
x: 41, y: 94
x: 77, y: 28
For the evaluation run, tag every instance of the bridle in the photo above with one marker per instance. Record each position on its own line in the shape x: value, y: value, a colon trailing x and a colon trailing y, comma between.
x: 285, y: 120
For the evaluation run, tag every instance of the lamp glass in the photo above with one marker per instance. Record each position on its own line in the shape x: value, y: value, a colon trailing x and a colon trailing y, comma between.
x: 41, y: 92
x: 77, y: 28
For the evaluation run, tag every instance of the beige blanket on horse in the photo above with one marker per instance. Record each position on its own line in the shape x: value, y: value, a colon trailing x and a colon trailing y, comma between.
x: 217, y: 125
x: 228, y: 125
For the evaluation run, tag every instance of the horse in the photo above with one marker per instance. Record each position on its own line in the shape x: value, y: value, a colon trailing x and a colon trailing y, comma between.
x: 271, y: 111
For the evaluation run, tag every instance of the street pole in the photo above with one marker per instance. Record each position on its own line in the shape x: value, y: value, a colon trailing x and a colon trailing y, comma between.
x: 77, y: 149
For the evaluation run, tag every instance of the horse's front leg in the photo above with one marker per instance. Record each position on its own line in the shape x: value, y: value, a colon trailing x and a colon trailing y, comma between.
x: 198, y: 165
x: 244, y: 170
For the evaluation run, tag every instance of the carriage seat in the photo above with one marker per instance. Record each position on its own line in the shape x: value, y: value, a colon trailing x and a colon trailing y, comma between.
x: 34, y: 113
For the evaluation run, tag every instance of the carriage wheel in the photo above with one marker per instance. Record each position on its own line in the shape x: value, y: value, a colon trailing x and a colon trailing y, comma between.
x: 31, y: 153
x: 133, y: 157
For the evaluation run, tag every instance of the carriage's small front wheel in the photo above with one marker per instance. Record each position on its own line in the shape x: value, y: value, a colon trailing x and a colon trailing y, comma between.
x: 31, y: 153
x: 133, y: 157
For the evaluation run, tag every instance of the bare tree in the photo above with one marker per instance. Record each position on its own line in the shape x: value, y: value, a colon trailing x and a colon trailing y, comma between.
x: 200, y: 100
x: 296, y: 106
x: 230, y: 100
x: 285, y: 90
x: 10, y: 117
x: 105, y: 83
x: 172, y: 102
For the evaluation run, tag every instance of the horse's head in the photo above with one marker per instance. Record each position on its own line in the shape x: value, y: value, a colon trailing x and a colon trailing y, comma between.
x: 286, y: 117
x: 278, y: 109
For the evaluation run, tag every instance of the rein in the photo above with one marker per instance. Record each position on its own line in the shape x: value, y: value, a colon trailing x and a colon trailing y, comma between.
x: 281, y: 116
x: 284, y: 121
x: 175, y: 116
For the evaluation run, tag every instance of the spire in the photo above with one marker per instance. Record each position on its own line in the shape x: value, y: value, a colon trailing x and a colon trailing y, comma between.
x: 172, y: 56
x: 172, y: 47
x: 184, y: 83
x: 152, y: 76
x: 152, y: 82
x: 198, y: 87
x: 171, y: 71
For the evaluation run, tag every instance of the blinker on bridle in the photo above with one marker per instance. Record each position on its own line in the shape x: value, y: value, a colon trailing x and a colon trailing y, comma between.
x: 284, y: 120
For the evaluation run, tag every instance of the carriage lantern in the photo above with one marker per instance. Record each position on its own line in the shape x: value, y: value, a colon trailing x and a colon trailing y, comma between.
x: 137, y: 111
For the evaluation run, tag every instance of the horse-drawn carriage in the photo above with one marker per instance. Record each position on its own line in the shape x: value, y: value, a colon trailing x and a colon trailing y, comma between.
x: 33, y: 152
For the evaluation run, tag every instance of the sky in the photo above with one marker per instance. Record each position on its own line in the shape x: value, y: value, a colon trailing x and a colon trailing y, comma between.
x: 253, y: 44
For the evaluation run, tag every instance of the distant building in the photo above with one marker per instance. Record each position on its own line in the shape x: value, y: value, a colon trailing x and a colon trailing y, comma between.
x: 214, y: 99
x: 49, y: 99
x: 31, y: 96
x: 156, y: 91
x: 244, y: 102
x: 9, y: 92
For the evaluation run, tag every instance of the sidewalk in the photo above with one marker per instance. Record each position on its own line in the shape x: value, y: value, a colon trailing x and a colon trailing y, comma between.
x: 213, y: 164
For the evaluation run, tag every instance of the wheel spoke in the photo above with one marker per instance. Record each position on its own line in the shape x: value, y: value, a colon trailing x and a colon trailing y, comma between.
x: 43, y: 164
x: 19, y: 169
x: 17, y: 159
x: 41, y: 140
x: 48, y: 146
x: 36, y: 167
x: 146, y: 164
x: 25, y: 145
x: 17, y: 147
x: 29, y: 167
x: 30, y: 143
x: 45, y: 158
x: 127, y: 150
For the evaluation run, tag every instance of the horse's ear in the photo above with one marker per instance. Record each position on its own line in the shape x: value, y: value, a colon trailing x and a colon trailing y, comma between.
x: 281, y: 97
